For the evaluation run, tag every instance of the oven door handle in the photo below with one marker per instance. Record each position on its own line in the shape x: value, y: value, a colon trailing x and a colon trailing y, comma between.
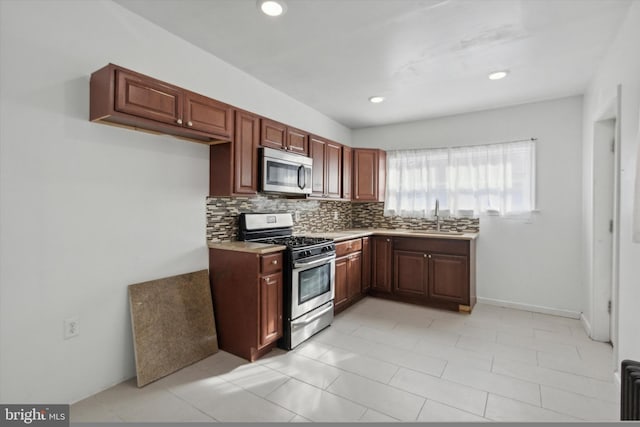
x: 314, y: 263
x: 312, y: 318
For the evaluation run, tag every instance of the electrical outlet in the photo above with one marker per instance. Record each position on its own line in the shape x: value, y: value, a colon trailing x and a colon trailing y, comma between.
x: 296, y: 215
x: 335, y: 215
x: 71, y: 327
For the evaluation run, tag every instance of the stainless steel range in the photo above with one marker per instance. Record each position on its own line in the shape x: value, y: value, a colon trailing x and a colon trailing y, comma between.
x: 309, y: 274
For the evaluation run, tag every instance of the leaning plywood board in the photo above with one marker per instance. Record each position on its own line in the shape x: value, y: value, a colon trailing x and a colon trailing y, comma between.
x: 173, y: 326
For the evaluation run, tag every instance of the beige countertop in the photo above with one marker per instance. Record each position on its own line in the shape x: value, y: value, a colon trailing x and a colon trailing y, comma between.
x: 361, y: 232
x: 338, y: 236
x: 256, y: 248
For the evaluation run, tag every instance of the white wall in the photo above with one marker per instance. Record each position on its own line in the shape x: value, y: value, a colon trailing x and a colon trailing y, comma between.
x: 531, y: 265
x: 87, y: 209
x: 621, y: 65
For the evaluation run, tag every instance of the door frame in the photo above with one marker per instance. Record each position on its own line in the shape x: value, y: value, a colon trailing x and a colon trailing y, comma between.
x: 605, y: 327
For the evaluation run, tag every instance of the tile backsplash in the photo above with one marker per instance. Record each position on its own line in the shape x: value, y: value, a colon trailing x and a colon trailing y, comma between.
x: 316, y: 216
x: 371, y: 215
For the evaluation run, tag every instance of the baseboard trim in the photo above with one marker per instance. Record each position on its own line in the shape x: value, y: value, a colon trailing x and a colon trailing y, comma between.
x: 616, y: 378
x: 530, y: 307
x: 585, y: 324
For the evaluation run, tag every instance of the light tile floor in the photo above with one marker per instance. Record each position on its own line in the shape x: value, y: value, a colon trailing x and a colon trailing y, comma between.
x: 389, y: 361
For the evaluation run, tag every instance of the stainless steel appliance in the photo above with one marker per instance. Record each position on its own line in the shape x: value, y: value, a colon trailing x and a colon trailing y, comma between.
x: 308, y: 274
x: 283, y: 172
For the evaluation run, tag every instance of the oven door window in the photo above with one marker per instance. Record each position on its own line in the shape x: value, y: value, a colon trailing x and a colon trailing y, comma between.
x: 314, y: 282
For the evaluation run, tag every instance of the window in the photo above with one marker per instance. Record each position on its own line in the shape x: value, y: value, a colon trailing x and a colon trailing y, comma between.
x: 496, y: 178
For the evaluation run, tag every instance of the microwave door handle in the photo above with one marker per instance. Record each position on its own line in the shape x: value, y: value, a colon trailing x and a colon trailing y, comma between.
x: 301, y: 173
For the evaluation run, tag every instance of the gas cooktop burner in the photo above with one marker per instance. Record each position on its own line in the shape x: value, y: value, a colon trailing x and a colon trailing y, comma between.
x: 296, y: 242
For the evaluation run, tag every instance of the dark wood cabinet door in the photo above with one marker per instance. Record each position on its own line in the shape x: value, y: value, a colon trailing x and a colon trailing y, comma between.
x: 341, y: 282
x: 366, y: 264
x: 333, y: 170
x: 245, y: 156
x: 317, y: 149
x: 410, y: 273
x: 273, y: 134
x: 270, y: 308
x: 449, y: 278
x: 208, y: 115
x: 354, y: 275
x: 346, y: 172
x: 365, y: 175
x: 381, y: 260
x: 148, y: 98
x: 297, y: 141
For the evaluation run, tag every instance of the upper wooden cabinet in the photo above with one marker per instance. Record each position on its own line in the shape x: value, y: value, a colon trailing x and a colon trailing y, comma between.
x: 327, y: 168
x: 233, y: 167
x: 282, y: 137
x: 126, y: 98
x: 297, y: 141
x: 369, y: 175
x: 273, y: 134
x: 207, y: 115
x: 146, y: 97
x: 346, y: 172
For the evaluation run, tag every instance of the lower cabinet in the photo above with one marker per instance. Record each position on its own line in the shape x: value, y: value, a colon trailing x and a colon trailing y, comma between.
x: 247, y: 301
x: 366, y: 264
x: 348, y: 283
x: 410, y: 273
x: 270, y: 308
x: 381, y: 254
x: 429, y: 271
x: 449, y: 278
x: 341, y: 294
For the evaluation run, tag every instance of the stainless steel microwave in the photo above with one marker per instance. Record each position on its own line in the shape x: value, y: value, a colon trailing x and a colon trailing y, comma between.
x: 283, y: 172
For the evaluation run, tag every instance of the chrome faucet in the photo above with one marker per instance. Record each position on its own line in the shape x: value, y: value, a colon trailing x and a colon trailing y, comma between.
x: 437, y: 215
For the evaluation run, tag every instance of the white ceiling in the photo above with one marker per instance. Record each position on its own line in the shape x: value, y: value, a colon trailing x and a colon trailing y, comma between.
x: 429, y: 58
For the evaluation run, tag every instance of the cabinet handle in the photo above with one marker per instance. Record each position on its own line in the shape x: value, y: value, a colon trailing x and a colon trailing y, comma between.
x: 267, y: 279
x: 179, y: 121
x: 274, y: 262
x: 388, y: 240
x: 189, y: 123
x: 425, y: 255
x: 429, y: 255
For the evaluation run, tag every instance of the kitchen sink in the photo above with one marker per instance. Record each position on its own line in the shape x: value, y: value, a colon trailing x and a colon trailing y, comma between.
x: 443, y: 232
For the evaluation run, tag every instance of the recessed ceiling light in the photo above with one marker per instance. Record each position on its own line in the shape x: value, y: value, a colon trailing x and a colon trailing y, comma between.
x: 376, y: 99
x: 497, y: 75
x: 272, y: 7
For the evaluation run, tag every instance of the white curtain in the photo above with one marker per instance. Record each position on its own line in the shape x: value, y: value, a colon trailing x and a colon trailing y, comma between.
x: 496, y: 178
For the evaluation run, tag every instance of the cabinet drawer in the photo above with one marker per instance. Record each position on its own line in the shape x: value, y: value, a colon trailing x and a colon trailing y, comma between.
x: 350, y: 246
x: 271, y: 263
